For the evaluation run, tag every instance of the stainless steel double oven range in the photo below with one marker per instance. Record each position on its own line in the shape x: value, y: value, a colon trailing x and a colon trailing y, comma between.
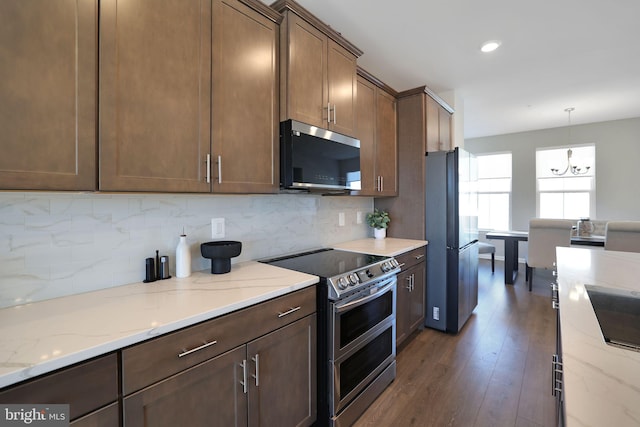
x: 356, y: 328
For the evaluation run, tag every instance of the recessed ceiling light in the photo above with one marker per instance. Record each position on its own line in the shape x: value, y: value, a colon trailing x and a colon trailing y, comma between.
x: 490, y: 46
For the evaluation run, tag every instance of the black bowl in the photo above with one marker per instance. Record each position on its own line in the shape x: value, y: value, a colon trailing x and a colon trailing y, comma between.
x: 220, y: 254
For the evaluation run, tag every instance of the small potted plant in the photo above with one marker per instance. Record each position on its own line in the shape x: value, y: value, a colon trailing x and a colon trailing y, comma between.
x: 379, y: 220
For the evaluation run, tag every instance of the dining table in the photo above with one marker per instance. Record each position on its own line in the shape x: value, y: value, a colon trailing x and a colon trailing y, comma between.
x: 512, y: 240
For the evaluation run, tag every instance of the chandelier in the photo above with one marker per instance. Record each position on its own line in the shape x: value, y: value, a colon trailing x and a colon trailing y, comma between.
x: 570, y: 168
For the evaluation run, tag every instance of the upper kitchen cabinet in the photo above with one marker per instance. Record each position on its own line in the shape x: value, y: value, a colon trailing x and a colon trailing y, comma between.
x: 245, y: 140
x: 318, y: 72
x: 415, y: 133
x: 438, y: 125
x: 155, y: 95
x: 48, y: 94
x: 188, y: 96
x: 376, y: 128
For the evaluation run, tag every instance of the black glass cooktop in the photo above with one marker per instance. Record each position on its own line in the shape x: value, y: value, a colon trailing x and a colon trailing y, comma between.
x: 325, y: 263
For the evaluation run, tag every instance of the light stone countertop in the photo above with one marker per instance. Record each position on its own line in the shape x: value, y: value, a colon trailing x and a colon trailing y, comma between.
x: 44, y: 336
x: 601, y: 382
x: 389, y: 246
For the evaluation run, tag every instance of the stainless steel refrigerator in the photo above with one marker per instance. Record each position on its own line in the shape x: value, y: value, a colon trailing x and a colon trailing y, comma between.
x: 452, y: 231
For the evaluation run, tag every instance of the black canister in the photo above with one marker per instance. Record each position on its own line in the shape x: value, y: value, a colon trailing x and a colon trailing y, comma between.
x: 150, y: 268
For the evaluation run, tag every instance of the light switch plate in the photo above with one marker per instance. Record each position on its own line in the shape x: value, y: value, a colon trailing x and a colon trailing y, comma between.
x: 217, y: 228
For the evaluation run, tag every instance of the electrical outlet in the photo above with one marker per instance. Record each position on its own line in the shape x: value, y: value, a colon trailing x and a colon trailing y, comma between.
x: 341, y: 219
x: 436, y: 313
x: 359, y: 217
x: 217, y: 228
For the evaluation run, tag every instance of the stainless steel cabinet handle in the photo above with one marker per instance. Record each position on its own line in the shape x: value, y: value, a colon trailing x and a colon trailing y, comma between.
x: 420, y: 256
x: 335, y: 114
x: 193, y: 350
x: 328, y: 112
x: 208, y: 162
x: 381, y: 183
x: 294, y: 309
x: 401, y: 265
x: 219, y: 169
x: 413, y: 282
x: 256, y: 359
x: 244, y: 376
x: 555, y: 305
x: 408, y: 283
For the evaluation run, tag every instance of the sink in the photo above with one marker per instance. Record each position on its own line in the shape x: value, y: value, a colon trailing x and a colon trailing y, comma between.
x: 220, y: 254
x: 618, y: 313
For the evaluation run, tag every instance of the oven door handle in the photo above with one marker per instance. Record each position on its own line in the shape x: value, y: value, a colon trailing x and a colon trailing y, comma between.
x: 339, y: 308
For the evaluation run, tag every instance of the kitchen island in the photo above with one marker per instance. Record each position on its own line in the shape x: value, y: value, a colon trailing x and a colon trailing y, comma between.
x: 601, y: 383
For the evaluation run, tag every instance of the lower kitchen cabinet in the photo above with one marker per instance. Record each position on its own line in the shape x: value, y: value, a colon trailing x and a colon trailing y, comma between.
x: 269, y: 381
x: 255, y: 366
x: 411, y: 292
x: 90, y: 388
x: 105, y: 417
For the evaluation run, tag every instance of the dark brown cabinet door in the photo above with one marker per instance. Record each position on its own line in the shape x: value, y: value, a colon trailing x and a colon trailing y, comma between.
x: 155, y: 95
x: 105, y: 417
x: 319, y: 81
x: 86, y: 387
x: 416, y: 307
x: 245, y: 100
x: 283, y: 376
x: 376, y: 128
x: 410, y: 300
x: 342, y: 87
x: 366, y: 133
x: 387, y: 144
x: 48, y: 94
x: 444, y: 117
x: 209, y: 394
x: 433, y: 125
x: 305, y: 67
x: 403, y: 302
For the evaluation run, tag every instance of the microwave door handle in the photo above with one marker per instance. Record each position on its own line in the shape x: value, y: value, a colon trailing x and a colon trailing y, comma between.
x: 340, y: 308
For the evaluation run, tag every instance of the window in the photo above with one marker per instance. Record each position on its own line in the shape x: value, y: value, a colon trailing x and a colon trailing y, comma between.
x: 494, y: 191
x: 568, y: 196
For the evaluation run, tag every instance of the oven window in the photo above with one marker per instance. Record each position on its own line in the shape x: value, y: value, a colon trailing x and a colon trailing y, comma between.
x: 359, y: 320
x: 356, y: 368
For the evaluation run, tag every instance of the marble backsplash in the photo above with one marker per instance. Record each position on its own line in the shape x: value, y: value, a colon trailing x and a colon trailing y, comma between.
x: 56, y: 244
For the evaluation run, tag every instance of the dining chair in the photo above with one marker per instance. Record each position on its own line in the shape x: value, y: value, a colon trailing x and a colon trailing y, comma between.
x: 488, y: 248
x: 622, y: 236
x: 544, y: 236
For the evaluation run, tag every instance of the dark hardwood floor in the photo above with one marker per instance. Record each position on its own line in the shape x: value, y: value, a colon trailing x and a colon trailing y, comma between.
x: 495, y: 372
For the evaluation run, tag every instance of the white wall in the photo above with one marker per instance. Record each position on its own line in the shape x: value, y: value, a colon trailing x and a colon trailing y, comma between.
x: 55, y: 244
x: 617, y: 158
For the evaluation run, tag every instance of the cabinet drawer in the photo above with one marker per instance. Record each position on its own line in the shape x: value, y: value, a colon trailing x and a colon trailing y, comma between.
x: 412, y: 258
x: 85, y: 387
x: 149, y: 362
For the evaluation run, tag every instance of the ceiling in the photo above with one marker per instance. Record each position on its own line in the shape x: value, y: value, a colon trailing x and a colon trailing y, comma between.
x: 554, y: 54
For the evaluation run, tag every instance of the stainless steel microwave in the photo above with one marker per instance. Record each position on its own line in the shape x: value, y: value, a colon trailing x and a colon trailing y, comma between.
x: 315, y: 158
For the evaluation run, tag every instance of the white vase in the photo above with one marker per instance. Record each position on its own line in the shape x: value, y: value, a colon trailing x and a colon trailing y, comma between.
x: 183, y: 258
x: 379, y: 233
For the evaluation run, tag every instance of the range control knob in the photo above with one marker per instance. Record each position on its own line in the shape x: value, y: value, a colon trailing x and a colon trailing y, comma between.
x: 386, y: 266
x: 353, y: 279
x: 343, y: 283
x: 395, y: 263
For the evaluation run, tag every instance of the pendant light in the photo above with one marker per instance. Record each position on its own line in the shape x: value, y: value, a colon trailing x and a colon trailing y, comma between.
x: 570, y: 168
